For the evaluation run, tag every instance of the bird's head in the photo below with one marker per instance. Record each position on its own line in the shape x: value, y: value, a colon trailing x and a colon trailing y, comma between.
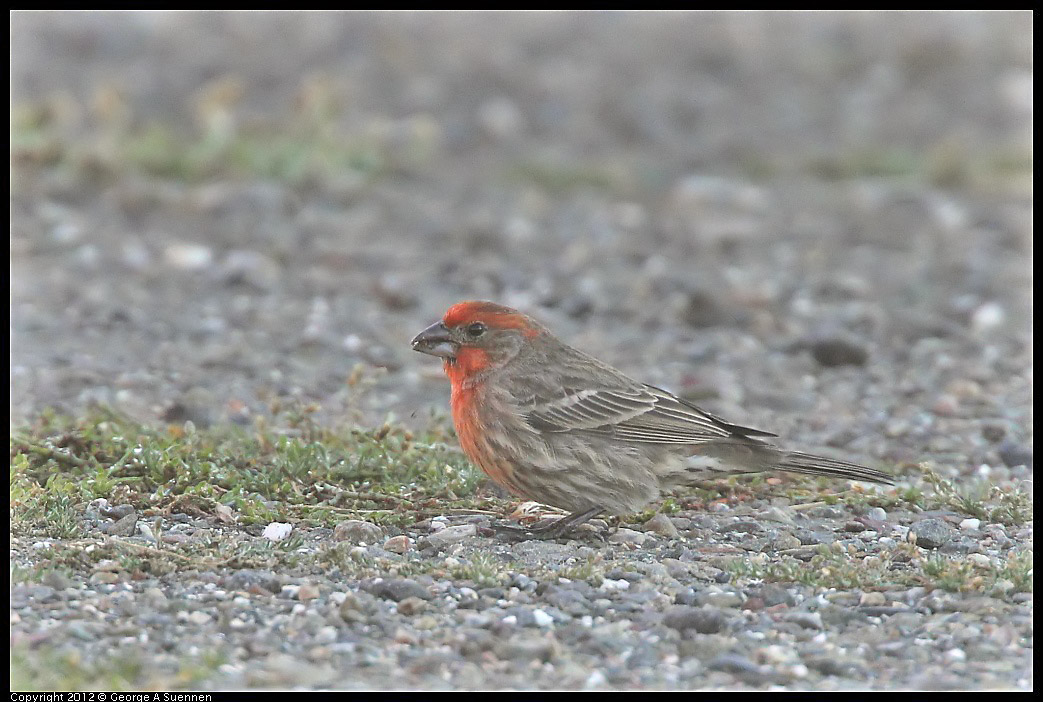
x: 474, y: 336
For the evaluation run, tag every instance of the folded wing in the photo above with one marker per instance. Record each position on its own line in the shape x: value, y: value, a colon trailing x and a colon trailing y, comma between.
x: 639, y: 414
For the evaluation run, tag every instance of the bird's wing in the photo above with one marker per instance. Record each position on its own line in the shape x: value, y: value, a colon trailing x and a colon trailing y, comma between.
x: 639, y: 414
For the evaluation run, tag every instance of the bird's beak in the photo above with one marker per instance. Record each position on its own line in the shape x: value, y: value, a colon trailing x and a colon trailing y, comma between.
x: 435, y: 340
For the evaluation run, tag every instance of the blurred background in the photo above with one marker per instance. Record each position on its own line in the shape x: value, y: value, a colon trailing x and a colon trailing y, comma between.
x: 815, y: 223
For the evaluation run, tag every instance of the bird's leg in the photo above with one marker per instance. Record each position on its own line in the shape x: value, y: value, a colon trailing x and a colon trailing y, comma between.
x: 567, y: 523
x: 554, y: 529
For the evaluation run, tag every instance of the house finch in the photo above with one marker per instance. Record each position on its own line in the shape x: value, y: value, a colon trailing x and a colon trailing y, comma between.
x: 550, y: 423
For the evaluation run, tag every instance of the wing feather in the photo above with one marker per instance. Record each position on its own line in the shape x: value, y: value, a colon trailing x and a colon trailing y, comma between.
x: 639, y: 414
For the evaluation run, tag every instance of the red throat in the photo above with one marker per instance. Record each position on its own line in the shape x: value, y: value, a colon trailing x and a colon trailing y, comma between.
x: 462, y: 373
x: 468, y: 363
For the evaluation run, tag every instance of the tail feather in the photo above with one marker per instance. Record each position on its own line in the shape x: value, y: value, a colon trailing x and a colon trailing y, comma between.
x: 810, y: 464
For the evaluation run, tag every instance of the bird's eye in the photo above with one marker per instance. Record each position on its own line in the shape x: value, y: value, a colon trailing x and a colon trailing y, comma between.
x: 475, y: 330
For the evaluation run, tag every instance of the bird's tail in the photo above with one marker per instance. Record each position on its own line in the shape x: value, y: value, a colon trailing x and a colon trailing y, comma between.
x: 810, y: 464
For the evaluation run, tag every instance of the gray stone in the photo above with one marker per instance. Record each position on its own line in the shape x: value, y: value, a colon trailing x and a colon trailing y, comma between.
x: 662, y: 525
x: 395, y: 589
x: 122, y: 527
x: 932, y: 533
x: 807, y: 620
x: 358, y: 532
x: 448, y: 536
x: 1014, y: 454
x: 839, y: 351
x: 705, y: 620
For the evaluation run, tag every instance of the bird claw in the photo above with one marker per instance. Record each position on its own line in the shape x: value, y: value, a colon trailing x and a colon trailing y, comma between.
x: 510, y: 532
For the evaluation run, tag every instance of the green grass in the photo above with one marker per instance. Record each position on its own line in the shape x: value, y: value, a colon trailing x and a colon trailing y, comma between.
x: 558, y: 178
x: 304, y: 474
x: 981, y: 499
x: 310, y: 148
x: 483, y: 569
x: 903, y: 566
x: 828, y: 568
x: 47, y: 668
x: 315, y: 477
x: 1009, y: 505
x: 294, y: 156
x: 949, y: 163
x: 592, y: 570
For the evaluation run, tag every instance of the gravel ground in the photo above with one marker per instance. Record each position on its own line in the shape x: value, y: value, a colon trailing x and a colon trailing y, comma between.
x: 816, y: 224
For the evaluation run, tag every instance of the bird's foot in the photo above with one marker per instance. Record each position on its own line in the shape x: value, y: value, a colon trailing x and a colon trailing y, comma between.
x: 553, y: 530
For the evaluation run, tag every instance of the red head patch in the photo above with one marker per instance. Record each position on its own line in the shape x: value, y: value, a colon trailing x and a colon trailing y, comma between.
x: 490, y: 314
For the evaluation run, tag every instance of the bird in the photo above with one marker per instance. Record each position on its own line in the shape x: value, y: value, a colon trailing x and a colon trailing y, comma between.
x: 554, y: 425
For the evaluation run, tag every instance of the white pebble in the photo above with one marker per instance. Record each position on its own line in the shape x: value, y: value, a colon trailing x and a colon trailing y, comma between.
x: 595, y: 679
x: 542, y: 618
x: 500, y: 118
x: 987, y: 317
x: 326, y: 635
x: 353, y: 343
x: 955, y: 655
x: 608, y: 584
x: 191, y: 257
x: 970, y: 524
x: 277, y: 531
x: 199, y: 618
x: 451, y: 535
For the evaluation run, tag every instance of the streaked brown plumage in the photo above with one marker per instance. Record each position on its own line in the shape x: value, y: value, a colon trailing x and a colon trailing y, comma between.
x: 555, y: 425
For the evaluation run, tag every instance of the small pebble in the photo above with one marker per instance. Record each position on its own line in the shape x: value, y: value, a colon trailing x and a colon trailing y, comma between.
x: 970, y: 524
x: 410, y: 606
x: 307, y: 591
x: 398, y: 544
x: 839, y: 351
x: 450, y: 535
x: 877, y: 514
x: 931, y: 533
x: 628, y: 536
x: 542, y: 618
x: 199, y: 618
x: 705, y: 620
x: 662, y: 525
x: 357, y: 531
x: 189, y: 257
x: 277, y: 531
x: 105, y: 577
x: 872, y: 599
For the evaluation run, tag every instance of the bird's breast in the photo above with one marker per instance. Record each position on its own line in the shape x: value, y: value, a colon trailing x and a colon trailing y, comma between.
x: 475, y: 422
